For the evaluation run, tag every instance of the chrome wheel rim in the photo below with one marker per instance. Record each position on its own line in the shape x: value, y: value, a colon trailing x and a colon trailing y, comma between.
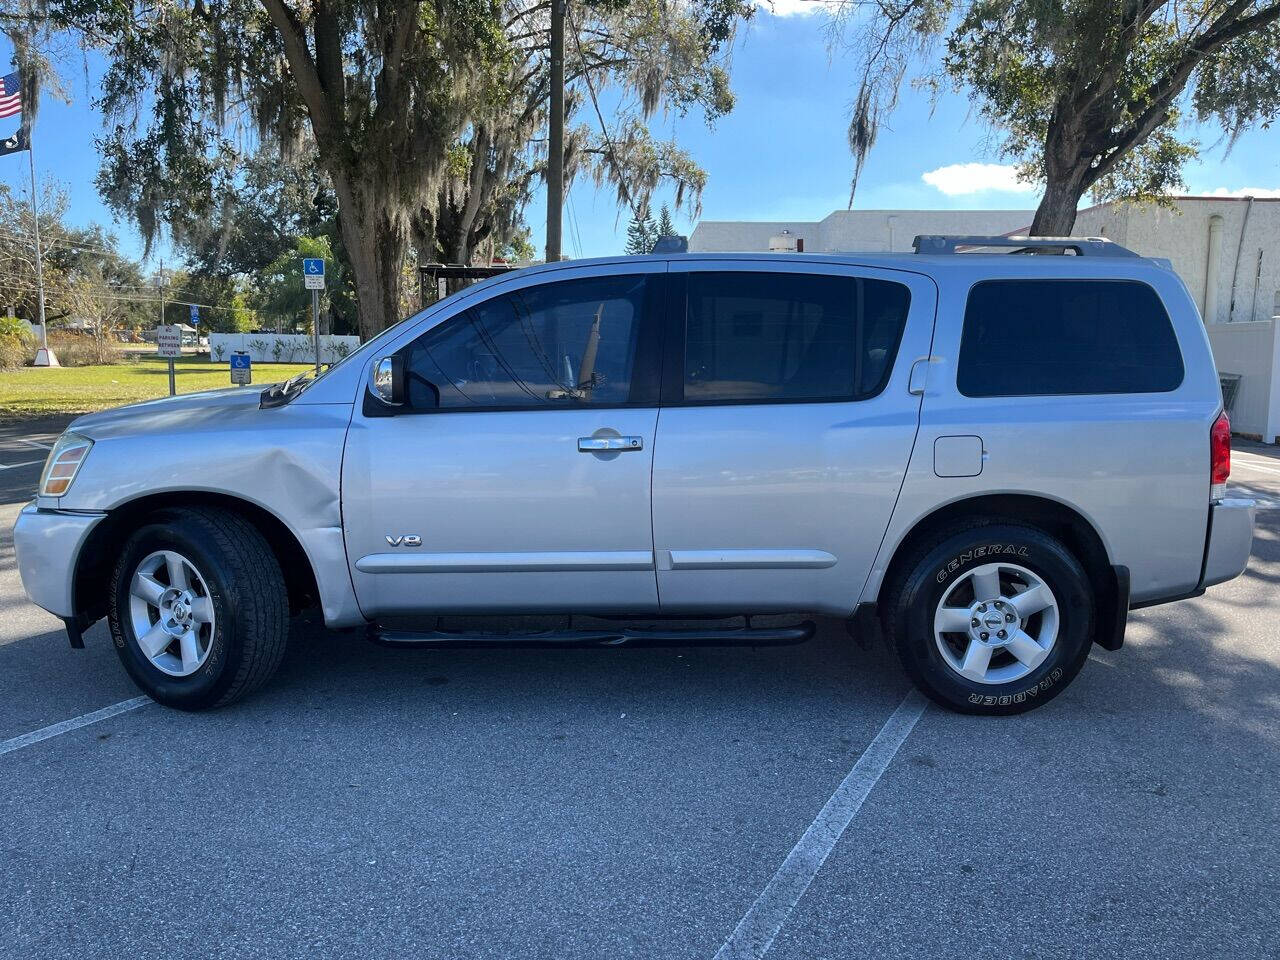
x: 171, y: 613
x: 996, y: 623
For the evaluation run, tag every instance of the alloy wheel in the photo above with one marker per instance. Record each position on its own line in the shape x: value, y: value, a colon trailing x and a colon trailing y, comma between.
x: 996, y: 623
x: 171, y: 613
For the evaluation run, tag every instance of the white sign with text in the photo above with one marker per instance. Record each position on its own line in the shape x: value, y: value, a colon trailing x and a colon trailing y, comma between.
x: 169, y: 341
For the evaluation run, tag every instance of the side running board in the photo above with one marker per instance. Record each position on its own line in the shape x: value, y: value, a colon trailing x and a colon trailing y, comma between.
x: 629, y: 637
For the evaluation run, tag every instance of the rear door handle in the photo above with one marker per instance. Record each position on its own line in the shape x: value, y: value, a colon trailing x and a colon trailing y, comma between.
x: 918, y: 375
x: 603, y: 444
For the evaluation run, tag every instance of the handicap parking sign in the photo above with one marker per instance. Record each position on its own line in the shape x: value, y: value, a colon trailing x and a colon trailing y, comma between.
x: 241, y: 368
x: 313, y: 273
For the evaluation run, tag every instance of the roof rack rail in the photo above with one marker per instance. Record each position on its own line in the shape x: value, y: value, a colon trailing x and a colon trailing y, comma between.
x: 1082, y: 246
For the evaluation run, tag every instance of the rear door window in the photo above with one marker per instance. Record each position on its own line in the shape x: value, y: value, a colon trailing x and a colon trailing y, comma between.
x: 783, y: 337
x: 1047, y: 337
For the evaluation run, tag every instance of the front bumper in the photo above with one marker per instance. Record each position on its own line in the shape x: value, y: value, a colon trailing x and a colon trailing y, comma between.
x: 1230, y: 540
x: 47, y: 544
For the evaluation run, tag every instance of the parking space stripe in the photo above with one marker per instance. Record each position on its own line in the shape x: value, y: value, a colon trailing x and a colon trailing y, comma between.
x: 35, y: 443
x: 757, y: 930
x: 66, y: 726
x: 1251, y: 465
x: 1265, y: 501
x: 14, y: 466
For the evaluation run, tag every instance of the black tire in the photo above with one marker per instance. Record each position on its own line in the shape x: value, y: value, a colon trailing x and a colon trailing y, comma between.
x: 250, y: 603
x: 915, y: 592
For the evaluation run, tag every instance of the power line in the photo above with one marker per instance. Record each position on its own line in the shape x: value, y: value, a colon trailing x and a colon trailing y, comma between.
x: 604, y: 129
x: 65, y: 241
x: 23, y: 286
x: 573, y: 222
x: 137, y: 286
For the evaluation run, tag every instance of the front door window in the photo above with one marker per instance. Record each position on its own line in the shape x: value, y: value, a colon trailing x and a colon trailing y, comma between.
x: 567, y: 344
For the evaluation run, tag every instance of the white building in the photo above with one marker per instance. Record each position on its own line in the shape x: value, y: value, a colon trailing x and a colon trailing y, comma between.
x: 870, y: 231
x: 1226, y: 249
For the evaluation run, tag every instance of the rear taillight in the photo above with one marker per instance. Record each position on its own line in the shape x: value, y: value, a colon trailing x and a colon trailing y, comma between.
x: 1219, y: 457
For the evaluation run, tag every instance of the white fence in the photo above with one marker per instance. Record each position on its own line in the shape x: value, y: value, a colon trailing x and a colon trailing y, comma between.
x: 1251, y: 351
x: 279, y: 347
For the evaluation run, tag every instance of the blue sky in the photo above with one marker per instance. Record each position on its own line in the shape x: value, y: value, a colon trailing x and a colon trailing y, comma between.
x: 780, y: 155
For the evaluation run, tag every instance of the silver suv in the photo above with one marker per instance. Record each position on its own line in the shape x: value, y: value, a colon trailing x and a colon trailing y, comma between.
x: 986, y: 459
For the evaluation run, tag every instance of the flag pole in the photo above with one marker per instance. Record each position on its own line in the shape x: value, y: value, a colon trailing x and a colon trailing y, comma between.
x: 44, y: 356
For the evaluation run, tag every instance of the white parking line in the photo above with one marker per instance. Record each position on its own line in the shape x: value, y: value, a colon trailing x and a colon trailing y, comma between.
x: 35, y: 443
x: 1265, y: 501
x: 756, y: 931
x: 14, y: 466
x: 1253, y: 465
x: 66, y: 726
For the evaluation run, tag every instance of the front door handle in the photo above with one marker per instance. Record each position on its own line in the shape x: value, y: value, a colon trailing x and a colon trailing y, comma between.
x: 606, y: 444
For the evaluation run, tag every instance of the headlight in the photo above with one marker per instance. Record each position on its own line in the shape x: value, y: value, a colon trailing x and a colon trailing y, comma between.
x: 63, y: 464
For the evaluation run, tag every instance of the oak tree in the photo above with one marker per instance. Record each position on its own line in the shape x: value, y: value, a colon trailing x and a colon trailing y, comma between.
x: 1085, y: 94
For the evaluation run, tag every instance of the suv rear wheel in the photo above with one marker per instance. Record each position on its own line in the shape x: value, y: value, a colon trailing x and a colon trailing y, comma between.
x: 198, y: 608
x: 996, y: 618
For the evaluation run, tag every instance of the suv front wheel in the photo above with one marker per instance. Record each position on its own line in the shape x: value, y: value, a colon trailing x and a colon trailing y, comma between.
x: 198, y: 608
x: 993, y: 619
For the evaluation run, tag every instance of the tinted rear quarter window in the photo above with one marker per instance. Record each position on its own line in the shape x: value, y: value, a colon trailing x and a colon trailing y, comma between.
x: 1047, y: 337
x: 779, y: 337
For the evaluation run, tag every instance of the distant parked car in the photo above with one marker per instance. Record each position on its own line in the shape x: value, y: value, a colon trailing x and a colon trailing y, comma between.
x: 987, y: 459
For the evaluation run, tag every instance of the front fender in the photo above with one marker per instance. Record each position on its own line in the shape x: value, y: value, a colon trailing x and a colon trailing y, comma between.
x: 286, y: 461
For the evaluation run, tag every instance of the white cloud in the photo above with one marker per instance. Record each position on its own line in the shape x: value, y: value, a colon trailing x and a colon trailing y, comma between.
x: 793, y: 8
x: 1242, y: 192
x: 961, y: 178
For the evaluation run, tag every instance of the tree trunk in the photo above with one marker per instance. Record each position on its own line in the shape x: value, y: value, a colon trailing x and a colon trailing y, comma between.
x: 376, y: 243
x: 1066, y: 169
x: 1056, y: 215
x: 475, y: 193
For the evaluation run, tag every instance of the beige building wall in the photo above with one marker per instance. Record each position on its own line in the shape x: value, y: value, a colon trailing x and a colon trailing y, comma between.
x: 1214, y: 244
x: 867, y: 231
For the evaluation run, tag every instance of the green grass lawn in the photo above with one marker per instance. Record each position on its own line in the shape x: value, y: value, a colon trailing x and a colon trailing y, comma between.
x: 41, y: 391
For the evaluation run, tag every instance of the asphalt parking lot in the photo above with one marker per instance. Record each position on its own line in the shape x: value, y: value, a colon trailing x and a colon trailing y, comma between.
x: 647, y: 803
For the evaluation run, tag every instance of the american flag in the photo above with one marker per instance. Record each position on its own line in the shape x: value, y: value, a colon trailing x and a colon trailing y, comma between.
x: 10, y: 95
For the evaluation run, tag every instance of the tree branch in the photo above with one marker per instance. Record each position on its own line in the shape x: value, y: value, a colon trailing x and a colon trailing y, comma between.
x: 294, y: 37
x: 329, y: 57
x: 1162, y: 93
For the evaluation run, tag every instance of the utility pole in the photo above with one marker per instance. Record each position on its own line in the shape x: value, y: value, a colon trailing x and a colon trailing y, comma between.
x: 44, y: 356
x: 555, y: 145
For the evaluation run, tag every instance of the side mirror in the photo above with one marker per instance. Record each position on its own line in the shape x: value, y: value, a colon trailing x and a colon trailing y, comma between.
x: 388, y: 380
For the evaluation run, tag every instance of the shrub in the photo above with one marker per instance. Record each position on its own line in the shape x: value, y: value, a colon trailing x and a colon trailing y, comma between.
x: 17, y: 349
x: 75, y: 350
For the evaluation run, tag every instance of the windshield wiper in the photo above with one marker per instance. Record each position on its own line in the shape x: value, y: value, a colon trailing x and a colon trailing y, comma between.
x: 278, y: 394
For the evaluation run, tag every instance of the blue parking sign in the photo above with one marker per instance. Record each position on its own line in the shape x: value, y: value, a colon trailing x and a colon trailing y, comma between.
x: 241, y: 368
x: 195, y: 314
x: 313, y: 273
